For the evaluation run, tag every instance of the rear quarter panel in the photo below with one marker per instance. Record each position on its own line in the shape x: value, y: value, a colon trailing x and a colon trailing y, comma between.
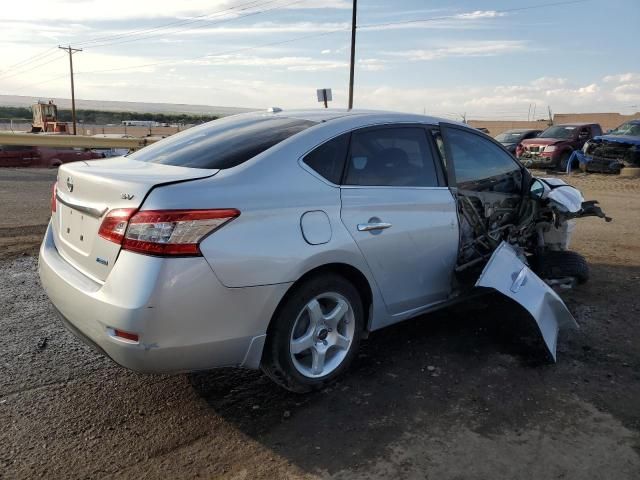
x: 265, y: 244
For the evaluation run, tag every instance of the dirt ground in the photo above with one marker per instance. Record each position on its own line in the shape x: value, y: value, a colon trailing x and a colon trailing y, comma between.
x: 462, y: 394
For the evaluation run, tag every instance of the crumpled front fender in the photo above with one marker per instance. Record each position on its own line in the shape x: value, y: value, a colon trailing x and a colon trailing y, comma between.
x: 509, y: 275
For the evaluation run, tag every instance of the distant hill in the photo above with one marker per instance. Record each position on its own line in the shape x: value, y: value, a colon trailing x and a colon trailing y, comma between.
x: 115, y: 106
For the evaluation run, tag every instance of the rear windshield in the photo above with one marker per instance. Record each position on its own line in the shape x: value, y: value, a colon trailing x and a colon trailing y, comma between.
x: 509, y: 137
x: 222, y: 143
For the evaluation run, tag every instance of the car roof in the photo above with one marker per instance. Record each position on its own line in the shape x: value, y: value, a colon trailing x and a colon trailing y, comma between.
x: 327, y: 114
x: 522, y: 130
x: 574, y: 124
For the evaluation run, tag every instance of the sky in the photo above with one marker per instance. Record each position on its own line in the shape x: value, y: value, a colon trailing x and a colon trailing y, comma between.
x: 481, y: 59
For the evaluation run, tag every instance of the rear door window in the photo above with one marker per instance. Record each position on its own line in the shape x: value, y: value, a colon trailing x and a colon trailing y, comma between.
x: 393, y: 156
x: 222, y: 143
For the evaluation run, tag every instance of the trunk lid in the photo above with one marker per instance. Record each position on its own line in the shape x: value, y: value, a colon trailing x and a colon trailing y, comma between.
x: 86, y: 191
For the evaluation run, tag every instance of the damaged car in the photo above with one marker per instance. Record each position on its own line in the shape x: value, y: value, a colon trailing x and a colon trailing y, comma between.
x: 612, y: 152
x: 278, y: 240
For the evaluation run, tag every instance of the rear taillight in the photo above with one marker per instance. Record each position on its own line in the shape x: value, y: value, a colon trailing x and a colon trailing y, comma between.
x: 163, y: 232
x: 115, y: 224
x: 54, y: 202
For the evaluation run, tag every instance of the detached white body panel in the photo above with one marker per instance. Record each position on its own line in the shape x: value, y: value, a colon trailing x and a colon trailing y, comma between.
x: 507, y: 274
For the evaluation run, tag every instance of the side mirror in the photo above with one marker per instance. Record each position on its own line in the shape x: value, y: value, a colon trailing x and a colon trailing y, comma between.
x: 537, y: 189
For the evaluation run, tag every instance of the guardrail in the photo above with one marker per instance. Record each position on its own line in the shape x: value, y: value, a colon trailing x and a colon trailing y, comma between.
x: 73, y: 141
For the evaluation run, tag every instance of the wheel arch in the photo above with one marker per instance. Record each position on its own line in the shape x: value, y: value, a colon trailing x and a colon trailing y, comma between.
x: 345, y: 270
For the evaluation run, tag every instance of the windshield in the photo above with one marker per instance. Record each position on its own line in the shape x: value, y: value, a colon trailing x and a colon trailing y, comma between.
x: 631, y: 129
x: 222, y: 143
x: 559, y: 131
x: 509, y: 137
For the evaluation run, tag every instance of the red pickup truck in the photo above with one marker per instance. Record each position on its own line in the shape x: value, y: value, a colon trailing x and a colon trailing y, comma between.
x: 552, y: 148
x: 15, y: 156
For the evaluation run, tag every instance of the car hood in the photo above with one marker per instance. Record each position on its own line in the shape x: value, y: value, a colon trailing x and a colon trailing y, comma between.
x: 544, y: 141
x: 627, y: 139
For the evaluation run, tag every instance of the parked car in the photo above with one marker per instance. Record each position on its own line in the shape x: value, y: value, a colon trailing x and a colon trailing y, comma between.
x: 512, y: 138
x: 483, y: 130
x: 553, y: 147
x: 112, y: 152
x: 617, y: 149
x: 18, y: 156
x: 278, y: 240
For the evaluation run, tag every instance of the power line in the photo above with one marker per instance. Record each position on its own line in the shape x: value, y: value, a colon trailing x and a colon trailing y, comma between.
x: 160, y: 27
x: 459, y: 16
x: 51, y: 51
x: 33, y: 58
x: 217, y: 54
x: 304, y: 37
x: 320, y: 34
x: 208, y: 23
x: 23, y: 87
x: 20, y: 72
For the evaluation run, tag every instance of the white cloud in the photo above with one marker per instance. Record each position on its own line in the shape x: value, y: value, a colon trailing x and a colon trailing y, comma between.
x: 503, y: 101
x: 622, y: 78
x: 480, y: 14
x: 372, y: 64
x: 302, y: 64
x: 466, y: 49
x: 549, y: 82
x: 588, y: 90
x: 268, y: 27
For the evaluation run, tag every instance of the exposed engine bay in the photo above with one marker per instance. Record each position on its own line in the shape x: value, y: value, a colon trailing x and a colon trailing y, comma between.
x: 542, y: 221
x: 517, y: 245
x: 611, y: 153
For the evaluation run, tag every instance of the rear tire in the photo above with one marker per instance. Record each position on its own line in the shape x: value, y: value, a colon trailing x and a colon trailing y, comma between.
x: 553, y: 265
x: 307, y: 348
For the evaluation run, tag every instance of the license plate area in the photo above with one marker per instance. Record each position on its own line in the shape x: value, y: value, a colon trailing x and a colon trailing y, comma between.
x: 77, y: 229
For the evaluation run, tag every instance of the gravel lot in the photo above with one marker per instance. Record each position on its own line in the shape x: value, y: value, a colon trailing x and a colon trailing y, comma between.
x: 463, y: 394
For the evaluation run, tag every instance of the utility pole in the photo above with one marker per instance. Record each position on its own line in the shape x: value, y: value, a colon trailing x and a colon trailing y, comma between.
x: 71, y: 51
x: 353, y: 51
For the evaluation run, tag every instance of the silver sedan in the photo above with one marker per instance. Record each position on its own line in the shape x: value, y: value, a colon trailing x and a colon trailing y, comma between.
x: 277, y: 240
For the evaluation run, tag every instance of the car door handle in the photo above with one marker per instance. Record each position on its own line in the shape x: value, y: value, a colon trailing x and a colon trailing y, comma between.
x: 368, y: 227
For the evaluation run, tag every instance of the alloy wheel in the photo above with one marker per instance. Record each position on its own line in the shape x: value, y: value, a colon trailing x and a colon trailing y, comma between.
x: 322, y: 335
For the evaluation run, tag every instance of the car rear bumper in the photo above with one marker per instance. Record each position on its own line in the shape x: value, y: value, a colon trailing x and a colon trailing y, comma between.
x: 185, y: 318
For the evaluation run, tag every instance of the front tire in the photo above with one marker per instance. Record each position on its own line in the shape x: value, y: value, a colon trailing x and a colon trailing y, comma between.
x: 553, y: 265
x: 315, y: 334
x: 564, y: 161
